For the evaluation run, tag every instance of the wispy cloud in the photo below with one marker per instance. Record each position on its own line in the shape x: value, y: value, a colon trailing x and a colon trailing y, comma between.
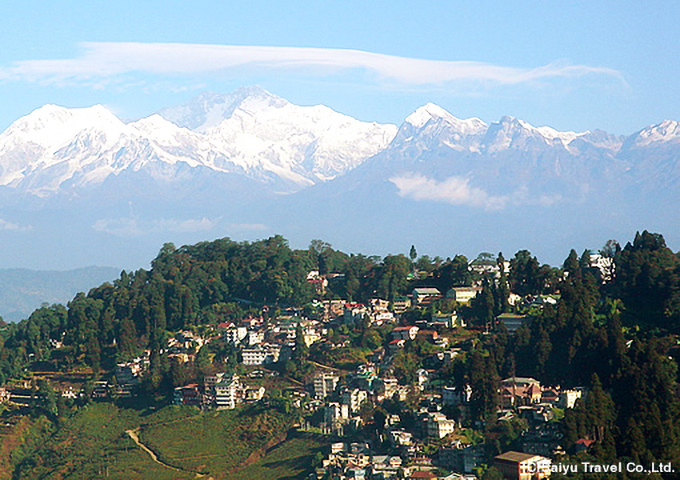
x: 458, y: 191
x: 13, y: 227
x: 99, y: 61
x: 134, y: 227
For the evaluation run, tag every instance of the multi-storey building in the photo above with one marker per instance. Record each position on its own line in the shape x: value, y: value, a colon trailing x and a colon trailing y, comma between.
x: 522, y: 466
x: 228, y: 392
x: 261, y: 354
x: 325, y: 384
x: 354, y: 398
x: 439, y: 426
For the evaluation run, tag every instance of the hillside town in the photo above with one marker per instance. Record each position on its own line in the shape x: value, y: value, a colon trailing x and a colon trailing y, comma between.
x: 424, y: 382
x: 431, y: 438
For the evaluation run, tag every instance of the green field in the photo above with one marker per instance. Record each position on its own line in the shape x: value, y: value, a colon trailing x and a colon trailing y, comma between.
x: 215, y: 443
x: 290, y: 460
x: 246, y: 443
x: 90, y: 444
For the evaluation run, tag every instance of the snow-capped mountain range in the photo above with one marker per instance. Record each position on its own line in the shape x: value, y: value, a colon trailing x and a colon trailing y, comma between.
x: 251, y: 132
x: 219, y: 165
x: 285, y: 146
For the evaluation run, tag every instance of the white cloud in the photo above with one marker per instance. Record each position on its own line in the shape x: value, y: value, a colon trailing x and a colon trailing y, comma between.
x: 107, y: 60
x: 453, y: 190
x: 458, y: 191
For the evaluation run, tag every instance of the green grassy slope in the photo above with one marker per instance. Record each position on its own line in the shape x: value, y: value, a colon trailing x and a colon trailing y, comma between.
x: 250, y: 442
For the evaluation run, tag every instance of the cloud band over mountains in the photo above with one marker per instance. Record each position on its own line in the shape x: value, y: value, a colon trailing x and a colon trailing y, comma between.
x: 458, y: 191
x: 101, y: 60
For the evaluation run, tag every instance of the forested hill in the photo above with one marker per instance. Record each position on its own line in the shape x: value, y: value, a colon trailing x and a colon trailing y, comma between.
x: 208, y: 282
x: 199, y: 284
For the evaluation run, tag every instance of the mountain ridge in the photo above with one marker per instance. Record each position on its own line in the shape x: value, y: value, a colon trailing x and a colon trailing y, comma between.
x: 23, y: 290
x: 273, y: 167
x: 290, y: 146
x: 257, y: 134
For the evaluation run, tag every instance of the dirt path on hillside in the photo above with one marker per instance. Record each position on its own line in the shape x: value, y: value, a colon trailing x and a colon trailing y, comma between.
x: 135, y: 438
x: 327, y: 367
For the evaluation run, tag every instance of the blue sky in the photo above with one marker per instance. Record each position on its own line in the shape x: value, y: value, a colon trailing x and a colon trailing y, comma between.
x: 577, y: 65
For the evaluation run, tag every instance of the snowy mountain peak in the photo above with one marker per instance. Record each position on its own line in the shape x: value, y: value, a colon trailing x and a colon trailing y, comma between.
x: 48, y: 116
x: 209, y: 109
x: 424, y: 114
x: 512, y: 132
x: 162, y: 131
x: 52, y: 126
x: 255, y: 134
x: 441, y: 119
x: 667, y: 131
x: 250, y: 132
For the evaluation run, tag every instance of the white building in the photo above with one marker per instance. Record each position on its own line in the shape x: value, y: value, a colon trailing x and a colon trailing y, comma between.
x: 228, y: 392
x: 354, y: 398
x: 400, y: 438
x: 604, y: 264
x: 255, y: 338
x: 405, y: 333
x: 420, y: 294
x: 438, y: 426
x: 567, y: 398
x: 389, y: 386
x: 311, y: 336
x: 235, y: 334
x: 382, y: 318
x: 463, y: 294
x: 324, y: 385
x: 261, y: 354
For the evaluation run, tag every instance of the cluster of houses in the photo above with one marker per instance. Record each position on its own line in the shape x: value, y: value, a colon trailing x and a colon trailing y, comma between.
x: 222, y: 392
x: 341, y: 400
x: 357, y: 461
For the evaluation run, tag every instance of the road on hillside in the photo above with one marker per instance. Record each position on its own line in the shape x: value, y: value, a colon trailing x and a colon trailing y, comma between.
x: 135, y: 438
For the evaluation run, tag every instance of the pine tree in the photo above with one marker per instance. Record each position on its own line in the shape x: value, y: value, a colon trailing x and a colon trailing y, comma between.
x: 571, y: 265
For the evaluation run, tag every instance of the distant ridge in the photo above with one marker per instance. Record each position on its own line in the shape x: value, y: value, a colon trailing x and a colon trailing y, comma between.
x: 23, y: 290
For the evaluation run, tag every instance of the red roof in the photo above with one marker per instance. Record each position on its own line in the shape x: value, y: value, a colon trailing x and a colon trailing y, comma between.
x: 422, y: 474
